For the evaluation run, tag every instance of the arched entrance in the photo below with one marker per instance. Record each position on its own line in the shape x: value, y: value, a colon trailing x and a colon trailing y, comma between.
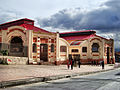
x: 16, y: 46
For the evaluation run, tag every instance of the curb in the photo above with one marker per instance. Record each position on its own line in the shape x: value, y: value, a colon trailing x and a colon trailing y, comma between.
x: 5, y: 84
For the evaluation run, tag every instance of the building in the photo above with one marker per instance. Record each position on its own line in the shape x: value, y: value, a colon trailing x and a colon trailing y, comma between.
x: 91, y: 47
x: 22, y: 39
x: 28, y: 44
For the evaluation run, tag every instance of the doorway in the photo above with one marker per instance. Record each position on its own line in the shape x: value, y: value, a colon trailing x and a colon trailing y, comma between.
x: 16, y: 46
x: 108, y: 57
x: 44, y: 52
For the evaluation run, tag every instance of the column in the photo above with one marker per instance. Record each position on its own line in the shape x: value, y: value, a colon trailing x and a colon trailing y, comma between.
x: 30, y: 40
x: 49, y: 49
x: 38, y: 50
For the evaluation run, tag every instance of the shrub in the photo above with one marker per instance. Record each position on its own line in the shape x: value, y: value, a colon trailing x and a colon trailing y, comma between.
x: 3, y: 61
x: 4, y: 52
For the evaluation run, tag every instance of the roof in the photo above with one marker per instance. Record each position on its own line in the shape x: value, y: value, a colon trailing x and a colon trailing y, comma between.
x: 81, y: 37
x: 102, y: 37
x: 118, y: 53
x: 77, y: 31
x: 74, y: 33
x: 31, y: 27
x: 15, y: 21
x: 76, y: 43
x: 28, y: 24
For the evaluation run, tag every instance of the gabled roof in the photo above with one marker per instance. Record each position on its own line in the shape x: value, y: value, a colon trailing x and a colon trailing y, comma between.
x: 101, y: 37
x: 31, y: 27
x: 80, y: 35
x: 28, y: 24
x: 16, y: 22
x: 78, y: 31
x: 74, y: 33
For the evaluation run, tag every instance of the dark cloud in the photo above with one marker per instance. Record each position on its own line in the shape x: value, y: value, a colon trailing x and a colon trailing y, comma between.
x: 107, y: 17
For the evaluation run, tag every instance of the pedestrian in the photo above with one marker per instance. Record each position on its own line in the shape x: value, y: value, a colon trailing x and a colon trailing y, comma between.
x: 78, y: 59
x: 111, y: 60
x: 79, y: 63
x: 72, y: 64
x: 68, y: 64
x: 102, y: 64
x: 70, y: 59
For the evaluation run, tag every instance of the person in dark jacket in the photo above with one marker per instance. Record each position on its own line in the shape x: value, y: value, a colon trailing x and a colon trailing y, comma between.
x: 102, y: 64
x: 70, y: 59
x: 72, y: 64
x: 68, y: 64
x: 79, y: 63
x: 78, y: 59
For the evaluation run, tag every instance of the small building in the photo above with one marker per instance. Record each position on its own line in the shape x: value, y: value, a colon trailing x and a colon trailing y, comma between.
x: 22, y: 39
x: 91, y: 47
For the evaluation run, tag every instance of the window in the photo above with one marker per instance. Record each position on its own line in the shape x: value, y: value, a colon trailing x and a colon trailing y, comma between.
x: 34, y: 39
x: 34, y: 48
x: 63, y: 49
x: 84, y: 49
x: 52, y: 47
x: 95, y: 47
x: 75, y: 50
x: 16, y: 45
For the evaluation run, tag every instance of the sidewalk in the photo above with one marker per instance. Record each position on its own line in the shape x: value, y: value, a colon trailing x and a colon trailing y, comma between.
x: 17, y: 73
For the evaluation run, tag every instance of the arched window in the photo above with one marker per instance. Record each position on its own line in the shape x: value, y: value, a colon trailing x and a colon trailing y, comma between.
x: 16, y: 45
x: 52, y: 47
x: 34, y: 48
x: 95, y: 47
x: 63, y: 48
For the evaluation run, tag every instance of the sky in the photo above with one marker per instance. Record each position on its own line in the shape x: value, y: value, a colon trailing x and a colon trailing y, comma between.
x: 67, y: 15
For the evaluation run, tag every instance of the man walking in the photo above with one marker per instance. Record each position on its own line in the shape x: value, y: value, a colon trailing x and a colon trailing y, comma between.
x: 79, y: 63
x: 70, y: 61
x: 72, y: 64
x: 102, y: 64
x: 68, y: 64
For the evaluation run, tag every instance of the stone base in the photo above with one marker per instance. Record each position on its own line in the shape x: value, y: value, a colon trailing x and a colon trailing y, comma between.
x: 14, y: 60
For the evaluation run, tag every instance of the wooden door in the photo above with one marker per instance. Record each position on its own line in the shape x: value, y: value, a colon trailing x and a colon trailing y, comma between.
x: 44, y: 52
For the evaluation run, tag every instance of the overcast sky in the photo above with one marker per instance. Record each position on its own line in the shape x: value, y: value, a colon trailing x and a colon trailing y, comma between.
x: 45, y: 8
x: 67, y: 15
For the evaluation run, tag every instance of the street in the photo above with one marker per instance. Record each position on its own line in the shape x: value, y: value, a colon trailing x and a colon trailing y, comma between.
x: 109, y: 80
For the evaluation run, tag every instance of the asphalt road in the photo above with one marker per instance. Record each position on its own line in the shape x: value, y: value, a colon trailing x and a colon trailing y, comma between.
x: 109, y: 80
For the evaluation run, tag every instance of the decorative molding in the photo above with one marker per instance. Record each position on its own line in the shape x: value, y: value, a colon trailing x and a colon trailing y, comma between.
x: 95, y: 39
x: 16, y: 29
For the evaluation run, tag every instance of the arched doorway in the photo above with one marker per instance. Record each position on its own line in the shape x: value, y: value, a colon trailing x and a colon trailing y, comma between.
x: 16, y: 46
